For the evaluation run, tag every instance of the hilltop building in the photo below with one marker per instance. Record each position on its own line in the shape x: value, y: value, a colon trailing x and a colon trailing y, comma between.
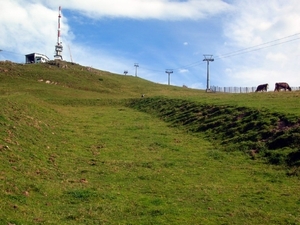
x: 36, y: 58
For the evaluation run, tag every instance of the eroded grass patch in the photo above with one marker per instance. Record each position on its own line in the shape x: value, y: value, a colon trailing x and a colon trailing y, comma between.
x: 272, y: 135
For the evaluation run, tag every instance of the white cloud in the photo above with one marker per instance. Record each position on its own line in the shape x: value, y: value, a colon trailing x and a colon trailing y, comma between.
x: 254, y: 22
x: 28, y: 27
x: 183, y: 70
x: 270, y: 26
x: 35, y: 27
x: 277, y: 57
x: 99, y: 59
x: 145, y: 9
x: 246, y: 23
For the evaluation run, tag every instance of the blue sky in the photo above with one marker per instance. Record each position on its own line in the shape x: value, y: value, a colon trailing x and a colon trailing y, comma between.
x: 252, y: 41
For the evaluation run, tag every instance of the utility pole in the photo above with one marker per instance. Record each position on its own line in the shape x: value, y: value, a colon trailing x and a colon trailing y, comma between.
x: 136, y: 66
x: 169, y: 72
x: 208, y: 58
x: 125, y: 72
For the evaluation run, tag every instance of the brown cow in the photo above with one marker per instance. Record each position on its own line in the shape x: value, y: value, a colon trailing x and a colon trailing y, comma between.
x: 262, y: 87
x: 282, y: 85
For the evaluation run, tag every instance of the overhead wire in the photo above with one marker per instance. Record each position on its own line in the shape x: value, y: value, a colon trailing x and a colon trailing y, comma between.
x: 189, y: 65
x: 240, y: 51
x: 258, y: 47
x: 5, y: 51
x: 155, y: 70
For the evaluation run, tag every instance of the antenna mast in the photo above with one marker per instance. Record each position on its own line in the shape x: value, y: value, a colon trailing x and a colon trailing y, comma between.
x: 58, y: 46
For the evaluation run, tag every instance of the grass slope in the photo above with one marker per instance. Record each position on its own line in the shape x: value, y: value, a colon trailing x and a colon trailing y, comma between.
x: 271, y: 134
x: 73, y: 152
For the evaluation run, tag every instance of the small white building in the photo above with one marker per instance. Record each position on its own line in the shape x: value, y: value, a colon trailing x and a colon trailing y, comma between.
x: 36, y: 58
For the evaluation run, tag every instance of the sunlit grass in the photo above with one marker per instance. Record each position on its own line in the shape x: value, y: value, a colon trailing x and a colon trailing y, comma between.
x: 73, y: 153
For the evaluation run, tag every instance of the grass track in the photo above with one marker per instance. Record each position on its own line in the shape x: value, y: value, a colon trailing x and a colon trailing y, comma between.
x: 75, y: 156
x: 115, y: 165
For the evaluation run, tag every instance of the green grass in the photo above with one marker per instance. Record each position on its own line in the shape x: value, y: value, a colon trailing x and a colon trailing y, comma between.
x: 75, y: 153
x: 236, y: 128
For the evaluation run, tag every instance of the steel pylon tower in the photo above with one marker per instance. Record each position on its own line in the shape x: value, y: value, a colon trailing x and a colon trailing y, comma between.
x: 58, y: 46
x: 136, y: 66
x: 208, y: 58
x: 169, y: 72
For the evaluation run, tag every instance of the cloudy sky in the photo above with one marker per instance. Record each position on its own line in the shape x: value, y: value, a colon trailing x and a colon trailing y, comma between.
x: 251, y: 41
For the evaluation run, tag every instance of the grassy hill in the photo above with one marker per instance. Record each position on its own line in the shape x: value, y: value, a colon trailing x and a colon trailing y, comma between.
x: 80, y: 146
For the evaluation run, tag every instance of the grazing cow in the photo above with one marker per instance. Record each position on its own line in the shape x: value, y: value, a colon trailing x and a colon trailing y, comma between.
x: 282, y: 85
x: 262, y: 87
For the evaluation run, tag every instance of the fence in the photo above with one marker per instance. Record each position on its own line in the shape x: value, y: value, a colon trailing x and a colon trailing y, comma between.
x: 233, y: 89
x: 240, y: 89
